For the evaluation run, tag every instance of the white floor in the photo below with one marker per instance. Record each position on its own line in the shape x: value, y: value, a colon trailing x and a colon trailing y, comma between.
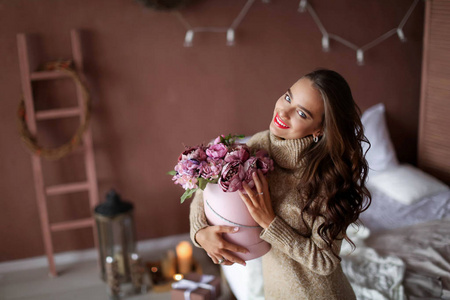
x: 79, y: 276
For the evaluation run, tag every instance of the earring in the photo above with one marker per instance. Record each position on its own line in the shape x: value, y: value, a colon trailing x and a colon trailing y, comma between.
x: 316, y: 139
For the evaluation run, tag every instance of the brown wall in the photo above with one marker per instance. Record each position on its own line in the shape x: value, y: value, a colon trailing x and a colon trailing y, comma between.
x: 151, y: 95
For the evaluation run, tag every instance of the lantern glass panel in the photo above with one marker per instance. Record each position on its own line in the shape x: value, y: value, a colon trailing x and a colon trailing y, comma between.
x: 116, y: 235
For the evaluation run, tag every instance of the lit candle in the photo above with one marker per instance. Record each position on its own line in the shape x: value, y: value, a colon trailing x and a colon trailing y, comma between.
x: 178, y: 277
x: 184, y: 257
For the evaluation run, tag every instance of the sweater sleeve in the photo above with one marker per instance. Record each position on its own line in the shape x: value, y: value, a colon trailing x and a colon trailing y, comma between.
x: 311, y: 251
x: 197, y: 216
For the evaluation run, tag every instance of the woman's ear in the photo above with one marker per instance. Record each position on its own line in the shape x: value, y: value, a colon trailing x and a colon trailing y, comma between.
x: 317, y: 133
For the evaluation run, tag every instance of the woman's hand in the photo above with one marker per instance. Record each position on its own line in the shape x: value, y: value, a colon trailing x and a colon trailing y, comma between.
x: 210, y: 238
x: 258, y: 203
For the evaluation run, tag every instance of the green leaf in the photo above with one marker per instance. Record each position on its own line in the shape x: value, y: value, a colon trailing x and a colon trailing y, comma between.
x: 214, y: 181
x: 236, y: 137
x: 223, y: 140
x: 230, y: 139
x: 173, y: 173
x: 202, y: 182
x: 188, y: 194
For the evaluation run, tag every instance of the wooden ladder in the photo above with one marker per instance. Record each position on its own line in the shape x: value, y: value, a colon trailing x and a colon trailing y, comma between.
x: 42, y: 191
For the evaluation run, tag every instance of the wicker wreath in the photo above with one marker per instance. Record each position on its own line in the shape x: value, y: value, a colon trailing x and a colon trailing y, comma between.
x: 58, y: 152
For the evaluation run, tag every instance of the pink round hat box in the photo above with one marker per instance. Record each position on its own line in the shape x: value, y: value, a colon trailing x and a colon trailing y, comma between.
x: 228, y: 209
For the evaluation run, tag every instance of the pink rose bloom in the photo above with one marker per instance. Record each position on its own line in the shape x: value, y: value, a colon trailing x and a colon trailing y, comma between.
x: 241, y: 153
x: 232, y: 176
x: 217, y: 140
x: 217, y: 151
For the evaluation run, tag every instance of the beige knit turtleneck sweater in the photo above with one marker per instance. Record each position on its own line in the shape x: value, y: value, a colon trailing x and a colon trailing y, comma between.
x: 299, y: 265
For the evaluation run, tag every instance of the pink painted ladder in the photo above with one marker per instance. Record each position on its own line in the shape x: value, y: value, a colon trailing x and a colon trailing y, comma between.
x: 42, y: 191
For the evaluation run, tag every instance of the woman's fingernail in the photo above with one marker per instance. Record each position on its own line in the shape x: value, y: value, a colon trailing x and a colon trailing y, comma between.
x: 235, y: 228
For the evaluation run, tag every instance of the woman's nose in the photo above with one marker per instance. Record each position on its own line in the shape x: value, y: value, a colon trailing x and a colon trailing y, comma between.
x: 282, y: 113
x: 285, y: 113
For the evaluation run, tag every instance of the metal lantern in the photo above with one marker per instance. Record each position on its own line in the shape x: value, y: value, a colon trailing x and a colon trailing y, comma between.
x: 116, y: 234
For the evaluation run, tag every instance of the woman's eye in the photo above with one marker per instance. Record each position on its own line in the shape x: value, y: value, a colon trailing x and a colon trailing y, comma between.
x: 302, y: 114
x: 287, y: 98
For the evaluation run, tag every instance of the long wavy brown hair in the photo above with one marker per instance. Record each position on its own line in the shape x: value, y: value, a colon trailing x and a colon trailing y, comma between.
x: 336, y: 171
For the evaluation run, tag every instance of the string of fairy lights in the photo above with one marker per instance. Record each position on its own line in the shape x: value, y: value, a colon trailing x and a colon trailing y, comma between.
x: 327, y: 35
x: 230, y: 30
x: 304, y: 6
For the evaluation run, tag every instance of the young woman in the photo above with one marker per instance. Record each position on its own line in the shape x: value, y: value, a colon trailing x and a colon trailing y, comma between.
x: 317, y: 189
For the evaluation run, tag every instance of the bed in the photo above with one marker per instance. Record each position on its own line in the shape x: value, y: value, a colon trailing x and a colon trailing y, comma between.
x: 403, y: 244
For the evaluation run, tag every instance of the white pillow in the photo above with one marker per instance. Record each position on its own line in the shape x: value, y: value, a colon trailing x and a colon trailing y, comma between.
x: 381, y: 155
x: 406, y: 184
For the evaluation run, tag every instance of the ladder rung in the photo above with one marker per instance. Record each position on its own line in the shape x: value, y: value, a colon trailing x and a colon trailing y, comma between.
x: 67, y: 188
x: 72, y: 224
x: 46, y: 75
x: 57, y: 113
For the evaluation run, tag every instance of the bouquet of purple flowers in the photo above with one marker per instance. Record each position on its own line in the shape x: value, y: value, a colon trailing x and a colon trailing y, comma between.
x: 222, y: 162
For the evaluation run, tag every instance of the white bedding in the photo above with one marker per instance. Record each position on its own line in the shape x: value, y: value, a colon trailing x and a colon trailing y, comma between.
x: 374, y: 277
x: 385, y: 213
x: 425, y: 250
x: 407, y: 263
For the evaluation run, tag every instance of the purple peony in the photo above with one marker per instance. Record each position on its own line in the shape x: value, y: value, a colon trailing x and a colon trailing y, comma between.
x: 193, y: 153
x: 240, y: 153
x: 232, y: 176
x: 211, y: 168
x: 264, y: 162
x: 223, y: 162
x: 250, y: 167
x: 187, y: 167
x: 217, y: 151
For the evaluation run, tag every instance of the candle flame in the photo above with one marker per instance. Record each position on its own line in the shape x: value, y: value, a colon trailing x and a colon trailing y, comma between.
x: 184, y: 249
x: 178, y: 277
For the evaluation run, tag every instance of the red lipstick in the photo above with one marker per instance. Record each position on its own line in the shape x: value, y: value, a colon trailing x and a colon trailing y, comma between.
x: 279, y: 122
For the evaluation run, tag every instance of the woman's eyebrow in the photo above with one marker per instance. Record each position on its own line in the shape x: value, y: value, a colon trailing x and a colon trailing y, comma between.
x: 303, y: 108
